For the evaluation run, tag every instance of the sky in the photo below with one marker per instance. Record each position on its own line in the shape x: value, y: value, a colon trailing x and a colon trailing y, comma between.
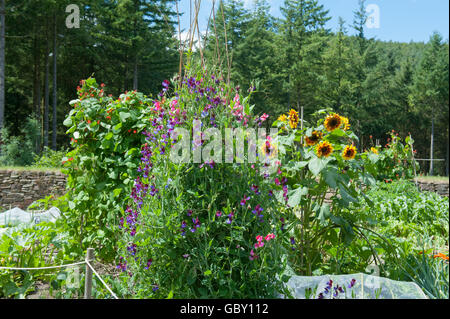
x: 396, y: 20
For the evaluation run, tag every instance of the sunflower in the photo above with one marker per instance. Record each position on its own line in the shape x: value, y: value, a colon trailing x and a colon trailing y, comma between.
x: 324, y: 149
x: 374, y: 150
x: 293, y: 118
x: 349, y: 152
x: 345, y: 123
x: 315, y: 137
x: 269, y: 149
x: 332, y: 122
x: 283, y: 118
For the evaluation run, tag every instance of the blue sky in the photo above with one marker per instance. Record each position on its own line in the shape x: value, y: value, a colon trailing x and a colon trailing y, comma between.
x: 399, y: 20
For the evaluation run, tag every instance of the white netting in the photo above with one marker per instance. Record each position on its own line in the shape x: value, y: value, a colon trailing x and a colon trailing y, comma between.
x: 17, y: 216
x: 365, y: 287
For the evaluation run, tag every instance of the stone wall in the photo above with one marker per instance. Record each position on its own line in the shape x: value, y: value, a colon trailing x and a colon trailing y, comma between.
x: 440, y: 188
x: 21, y: 188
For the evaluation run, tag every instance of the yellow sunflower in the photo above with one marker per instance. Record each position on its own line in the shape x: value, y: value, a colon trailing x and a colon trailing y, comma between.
x: 283, y: 118
x: 332, y: 122
x: 374, y: 150
x: 349, y: 152
x: 293, y: 118
x: 315, y: 137
x: 345, y: 123
x: 324, y: 149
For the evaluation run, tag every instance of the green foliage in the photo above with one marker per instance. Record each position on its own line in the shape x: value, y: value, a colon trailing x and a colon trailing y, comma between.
x: 192, y: 228
x: 18, y: 150
x: 401, y: 208
x: 321, y: 224
x: 401, y: 224
x: 49, y: 158
x: 106, y: 137
x: 116, y: 40
x: 428, y: 272
x: 395, y: 161
x: 44, y: 244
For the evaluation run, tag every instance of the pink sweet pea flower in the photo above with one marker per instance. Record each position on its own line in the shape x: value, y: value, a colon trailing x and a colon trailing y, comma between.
x: 264, y: 117
x: 259, y: 244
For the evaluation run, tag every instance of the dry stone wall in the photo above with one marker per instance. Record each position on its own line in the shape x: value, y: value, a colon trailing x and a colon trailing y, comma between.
x: 21, y: 188
x: 440, y: 188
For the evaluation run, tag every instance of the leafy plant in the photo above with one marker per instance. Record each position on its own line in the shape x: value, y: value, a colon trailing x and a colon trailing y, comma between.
x: 394, y: 161
x: 19, y: 150
x: 30, y: 246
x: 49, y: 158
x: 106, y: 135
x: 317, y: 162
x: 427, y: 268
x: 200, y: 230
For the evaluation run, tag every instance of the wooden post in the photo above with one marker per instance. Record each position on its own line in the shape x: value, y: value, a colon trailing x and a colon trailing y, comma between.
x: 432, y: 144
x: 414, y: 166
x: 88, y: 278
x: 301, y: 124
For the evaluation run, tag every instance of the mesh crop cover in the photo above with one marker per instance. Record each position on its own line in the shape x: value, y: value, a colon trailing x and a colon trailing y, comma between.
x: 364, y: 287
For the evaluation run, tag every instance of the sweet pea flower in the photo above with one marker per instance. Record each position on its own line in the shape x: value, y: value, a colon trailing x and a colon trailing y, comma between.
x: 264, y: 117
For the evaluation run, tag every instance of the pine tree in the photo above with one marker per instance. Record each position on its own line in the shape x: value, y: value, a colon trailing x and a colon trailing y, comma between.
x: 430, y: 91
x: 337, y: 90
x: 304, y: 34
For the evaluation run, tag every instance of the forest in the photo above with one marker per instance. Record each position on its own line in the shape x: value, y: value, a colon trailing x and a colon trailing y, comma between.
x: 293, y: 62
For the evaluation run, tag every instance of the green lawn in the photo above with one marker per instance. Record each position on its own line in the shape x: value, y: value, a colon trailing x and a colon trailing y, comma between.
x: 29, y: 168
x: 434, y: 179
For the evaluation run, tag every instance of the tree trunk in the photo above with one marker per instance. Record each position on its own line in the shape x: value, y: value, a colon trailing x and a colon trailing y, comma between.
x: 2, y: 63
x: 37, y: 90
x: 46, y: 93
x: 135, y: 75
x: 54, y: 85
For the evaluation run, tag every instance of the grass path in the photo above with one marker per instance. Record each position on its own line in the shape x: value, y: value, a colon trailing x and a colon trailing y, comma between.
x: 29, y: 168
x: 433, y: 179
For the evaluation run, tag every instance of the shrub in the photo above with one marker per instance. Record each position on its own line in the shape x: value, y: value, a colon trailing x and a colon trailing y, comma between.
x: 18, y: 150
x: 394, y: 161
x: 50, y: 158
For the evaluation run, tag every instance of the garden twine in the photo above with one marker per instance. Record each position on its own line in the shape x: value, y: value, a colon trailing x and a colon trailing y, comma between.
x: 66, y: 266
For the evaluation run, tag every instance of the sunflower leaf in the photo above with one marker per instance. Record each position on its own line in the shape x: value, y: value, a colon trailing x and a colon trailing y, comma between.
x: 316, y: 165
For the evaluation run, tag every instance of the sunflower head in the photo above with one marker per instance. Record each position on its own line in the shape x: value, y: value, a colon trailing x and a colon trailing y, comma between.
x: 282, y: 118
x: 315, y: 137
x: 345, y: 123
x: 293, y: 118
x: 332, y: 122
x: 324, y: 149
x: 349, y: 152
x: 374, y: 150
